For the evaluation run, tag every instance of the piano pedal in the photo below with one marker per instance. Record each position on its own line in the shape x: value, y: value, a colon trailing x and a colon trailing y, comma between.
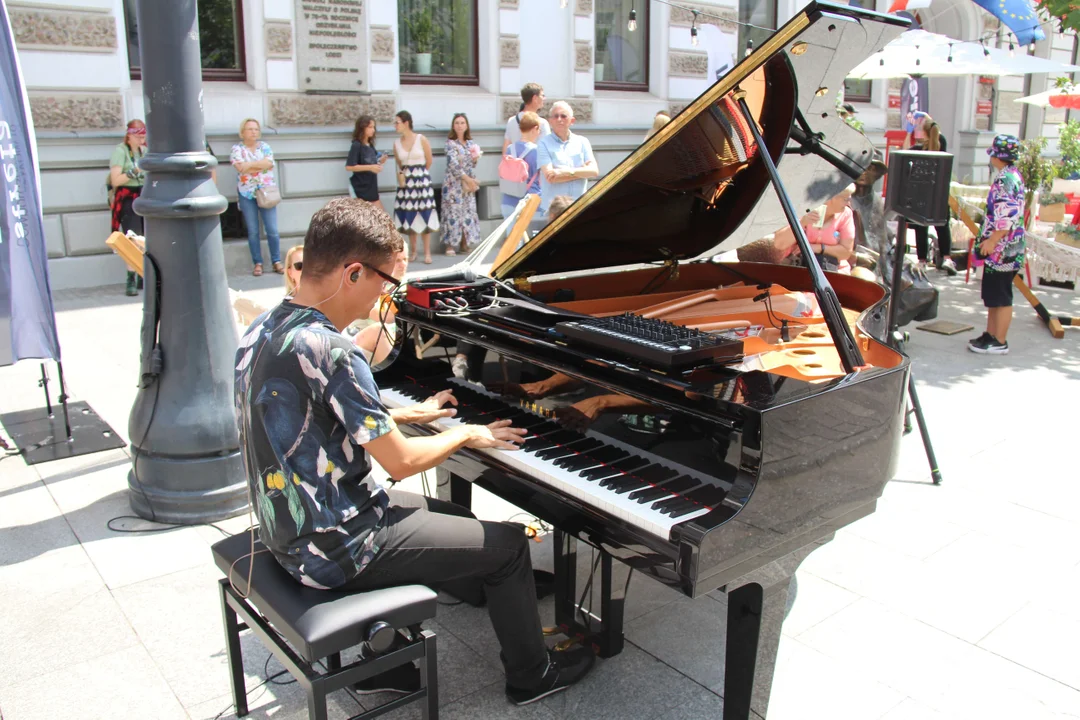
x: 568, y: 643
x: 550, y: 631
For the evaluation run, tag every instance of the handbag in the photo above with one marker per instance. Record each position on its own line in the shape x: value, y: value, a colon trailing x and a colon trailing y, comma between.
x: 268, y: 196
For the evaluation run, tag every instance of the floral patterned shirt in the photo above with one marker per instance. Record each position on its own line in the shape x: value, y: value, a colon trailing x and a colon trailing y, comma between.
x: 248, y: 183
x: 306, y: 403
x: 1005, y: 211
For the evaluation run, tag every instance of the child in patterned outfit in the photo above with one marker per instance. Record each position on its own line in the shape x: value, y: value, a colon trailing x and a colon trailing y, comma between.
x: 1000, y: 244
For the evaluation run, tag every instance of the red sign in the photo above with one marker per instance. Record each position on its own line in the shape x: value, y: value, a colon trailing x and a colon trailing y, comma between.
x: 894, y: 102
x: 986, y: 79
x: 984, y: 107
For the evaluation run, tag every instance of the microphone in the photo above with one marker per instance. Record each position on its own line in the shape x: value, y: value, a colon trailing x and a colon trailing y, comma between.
x: 450, y: 275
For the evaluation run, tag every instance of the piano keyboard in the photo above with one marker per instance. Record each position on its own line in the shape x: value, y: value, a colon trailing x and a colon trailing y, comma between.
x: 648, y: 492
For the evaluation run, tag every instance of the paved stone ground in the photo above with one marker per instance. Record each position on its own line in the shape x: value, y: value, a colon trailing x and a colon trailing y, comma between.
x: 956, y: 601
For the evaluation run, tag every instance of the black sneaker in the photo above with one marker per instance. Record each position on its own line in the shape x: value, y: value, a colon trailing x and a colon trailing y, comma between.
x: 402, y: 680
x: 564, y: 668
x: 989, y: 346
x: 131, y: 288
x: 979, y: 341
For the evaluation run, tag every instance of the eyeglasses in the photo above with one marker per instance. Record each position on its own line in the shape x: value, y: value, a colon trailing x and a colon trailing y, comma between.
x: 390, y: 283
x: 298, y: 266
x: 559, y: 116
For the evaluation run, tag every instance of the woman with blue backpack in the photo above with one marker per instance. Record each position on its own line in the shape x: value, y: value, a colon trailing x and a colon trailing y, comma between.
x: 519, y: 173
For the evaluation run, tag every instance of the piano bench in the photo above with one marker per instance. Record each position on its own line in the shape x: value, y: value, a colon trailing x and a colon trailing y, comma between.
x: 302, y: 625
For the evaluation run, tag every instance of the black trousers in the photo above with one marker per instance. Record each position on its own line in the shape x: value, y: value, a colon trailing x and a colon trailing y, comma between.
x: 922, y: 241
x: 436, y: 543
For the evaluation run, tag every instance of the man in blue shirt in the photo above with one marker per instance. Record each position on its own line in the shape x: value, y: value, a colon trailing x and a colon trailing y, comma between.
x: 566, y: 159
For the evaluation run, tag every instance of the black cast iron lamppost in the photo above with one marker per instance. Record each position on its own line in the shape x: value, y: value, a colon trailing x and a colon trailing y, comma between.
x: 186, y: 464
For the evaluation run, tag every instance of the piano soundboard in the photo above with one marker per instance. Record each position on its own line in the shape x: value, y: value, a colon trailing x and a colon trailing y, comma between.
x: 651, y: 493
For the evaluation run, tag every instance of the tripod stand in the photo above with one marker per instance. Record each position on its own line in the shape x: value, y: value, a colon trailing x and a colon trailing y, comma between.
x: 897, y: 339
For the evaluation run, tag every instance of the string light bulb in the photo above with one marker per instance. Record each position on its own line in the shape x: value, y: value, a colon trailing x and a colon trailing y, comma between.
x: 693, y: 35
x: 749, y: 47
x: 1012, y: 49
x: 631, y: 24
x: 986, y: 53
x: 950, y: 52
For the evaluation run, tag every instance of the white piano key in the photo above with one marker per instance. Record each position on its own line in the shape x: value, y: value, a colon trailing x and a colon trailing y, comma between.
x: 640, y: 515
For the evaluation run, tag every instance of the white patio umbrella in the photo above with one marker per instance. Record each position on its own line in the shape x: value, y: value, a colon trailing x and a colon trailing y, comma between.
x: 1054, y: 98
x: 920, y: 53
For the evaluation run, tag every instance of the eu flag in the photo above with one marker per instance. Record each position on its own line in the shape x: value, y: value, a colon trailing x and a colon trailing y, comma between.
x: 1018, y: 15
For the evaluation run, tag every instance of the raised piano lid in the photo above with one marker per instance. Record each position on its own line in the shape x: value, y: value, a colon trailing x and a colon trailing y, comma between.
x: 660, y: 202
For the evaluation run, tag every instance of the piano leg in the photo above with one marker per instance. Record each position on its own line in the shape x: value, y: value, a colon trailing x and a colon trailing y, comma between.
x: 757, y: 604
x: 565, y: 547
x: 605, y: 628
x: 453, y: 488
x: 612, y: 597
x: 740, y: 659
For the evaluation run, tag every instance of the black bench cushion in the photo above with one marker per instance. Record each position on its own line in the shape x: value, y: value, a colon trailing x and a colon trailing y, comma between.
x: 317, y: 623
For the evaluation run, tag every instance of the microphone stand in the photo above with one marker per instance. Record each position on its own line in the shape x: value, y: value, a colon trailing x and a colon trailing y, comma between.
x: 897, y: 340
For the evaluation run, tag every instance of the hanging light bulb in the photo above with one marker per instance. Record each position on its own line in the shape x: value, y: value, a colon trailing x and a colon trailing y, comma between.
x: 950, y: 52
x: 693, y: 29
x: 1012, y: 49
x: 631, y: 24
x: 986, y: 53
x: 749, y: 47
x: 563, y: 3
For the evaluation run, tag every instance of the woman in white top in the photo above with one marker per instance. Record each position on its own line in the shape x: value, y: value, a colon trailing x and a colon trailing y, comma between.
x: 254, y: 163
x: 414, y: 205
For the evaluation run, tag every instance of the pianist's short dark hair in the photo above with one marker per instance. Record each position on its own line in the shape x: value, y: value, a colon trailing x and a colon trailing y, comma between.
x: 349, y: 230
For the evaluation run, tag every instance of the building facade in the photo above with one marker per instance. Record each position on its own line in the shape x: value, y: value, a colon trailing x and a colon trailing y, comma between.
x: 307, y: 68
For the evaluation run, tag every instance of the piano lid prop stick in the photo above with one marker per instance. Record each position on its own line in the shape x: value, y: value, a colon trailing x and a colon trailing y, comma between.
x: 715, y: 326
x: 830, y: 305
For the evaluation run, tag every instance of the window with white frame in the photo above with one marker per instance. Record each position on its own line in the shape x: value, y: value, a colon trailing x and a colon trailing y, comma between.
x: 438, y: 42
x: 621, y: 44
x: 221, y: 39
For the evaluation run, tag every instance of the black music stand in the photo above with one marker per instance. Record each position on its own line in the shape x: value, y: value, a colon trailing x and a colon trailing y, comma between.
x: 918, y: 191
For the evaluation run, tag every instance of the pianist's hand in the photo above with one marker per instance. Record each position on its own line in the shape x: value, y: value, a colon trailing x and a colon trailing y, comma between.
x: 428, y: 411
x: 499, y: 435
x: 582, y: 414
x: 526, y: 391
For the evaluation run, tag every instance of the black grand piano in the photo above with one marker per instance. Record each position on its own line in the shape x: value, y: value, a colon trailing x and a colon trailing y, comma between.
x: 706, y: 423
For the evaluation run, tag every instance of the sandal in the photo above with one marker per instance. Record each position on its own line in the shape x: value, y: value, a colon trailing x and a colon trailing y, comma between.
x: 449, y: 253
x: 427, y: 260
x: 279, y: 268
x: 257, y: 272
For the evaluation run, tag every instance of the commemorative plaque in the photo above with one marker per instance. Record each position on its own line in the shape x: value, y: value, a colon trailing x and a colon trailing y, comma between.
x: 331, y: 45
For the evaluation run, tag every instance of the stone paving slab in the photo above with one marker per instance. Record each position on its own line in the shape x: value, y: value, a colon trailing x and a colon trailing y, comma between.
x: 952, y: 602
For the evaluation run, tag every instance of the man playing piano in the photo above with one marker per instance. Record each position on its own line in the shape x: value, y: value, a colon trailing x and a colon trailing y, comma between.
x: 310, y: 416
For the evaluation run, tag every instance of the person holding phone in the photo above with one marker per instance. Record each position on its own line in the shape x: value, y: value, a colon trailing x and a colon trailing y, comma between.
x: 365, y: 162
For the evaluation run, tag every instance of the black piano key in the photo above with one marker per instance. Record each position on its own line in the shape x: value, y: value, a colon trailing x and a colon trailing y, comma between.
x: 605, y: 454
x: 684, y: 510
x: 655, y: 474
x: 648, y: 494
x: 681, y: 484
x: 559, y: 437
x: 682, y: 507
x: 569, y: 449
x: 631, y: 476
x: 620, y: 466
x: 630, y: 483
x: 709, y: 495
x: 536, y: 443
x: 667, y: 504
